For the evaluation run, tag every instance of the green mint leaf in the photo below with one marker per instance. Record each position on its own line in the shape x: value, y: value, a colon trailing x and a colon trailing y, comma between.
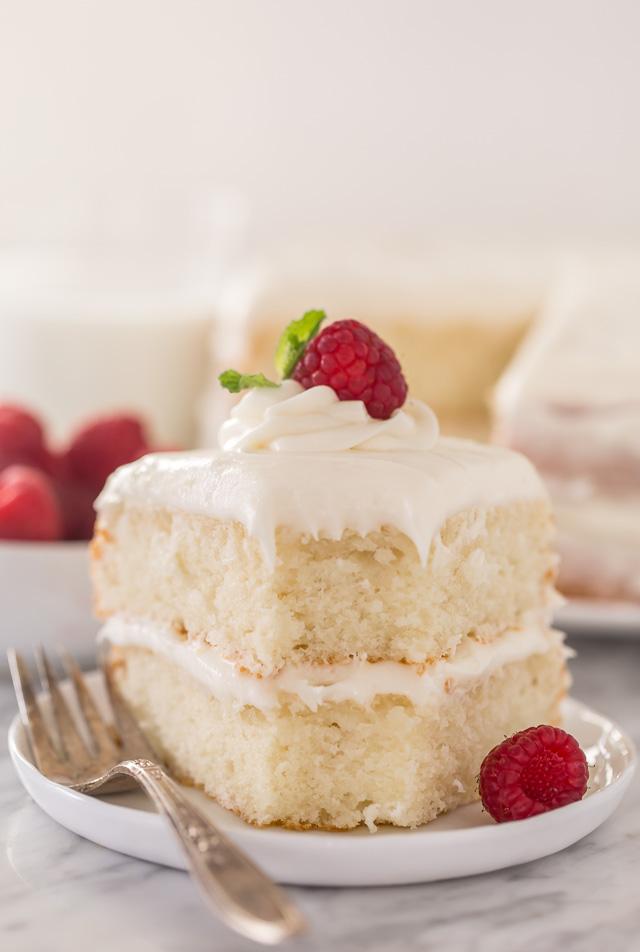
x: 234, y: 382
x: 294, y: 339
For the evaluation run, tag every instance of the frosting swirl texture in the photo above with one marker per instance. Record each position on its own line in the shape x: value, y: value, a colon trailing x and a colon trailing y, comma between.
x: 293, y: 420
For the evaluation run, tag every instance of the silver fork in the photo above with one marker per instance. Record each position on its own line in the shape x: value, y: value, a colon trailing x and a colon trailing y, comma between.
x: 103, y: 761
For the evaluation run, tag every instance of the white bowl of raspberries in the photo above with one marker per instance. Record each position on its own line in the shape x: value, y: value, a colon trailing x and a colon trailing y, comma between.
x: 46, y: 521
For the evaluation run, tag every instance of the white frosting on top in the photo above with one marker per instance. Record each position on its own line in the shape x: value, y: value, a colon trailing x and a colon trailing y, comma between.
x: 358, y: 680
x: 324, y: 494
x: 291, y: 419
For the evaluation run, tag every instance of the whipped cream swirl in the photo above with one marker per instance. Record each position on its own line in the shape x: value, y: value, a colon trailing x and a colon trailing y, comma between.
x: 293, y: 420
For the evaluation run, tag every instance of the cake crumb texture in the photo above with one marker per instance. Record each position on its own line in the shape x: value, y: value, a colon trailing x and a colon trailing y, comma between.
x: 343, y: 765
x: 327, y: 600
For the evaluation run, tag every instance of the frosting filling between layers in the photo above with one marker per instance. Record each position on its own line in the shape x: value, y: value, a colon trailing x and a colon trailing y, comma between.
x: 359, y: 680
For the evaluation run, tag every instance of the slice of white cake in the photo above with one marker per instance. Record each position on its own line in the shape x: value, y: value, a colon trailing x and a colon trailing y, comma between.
x: 332, y: 620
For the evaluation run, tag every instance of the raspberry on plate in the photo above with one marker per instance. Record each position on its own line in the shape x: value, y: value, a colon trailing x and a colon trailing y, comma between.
x: 357, y: 364
x: 29, y: 510
x: 103, y: 445
x: 22, y: 440
x: 536, y: 770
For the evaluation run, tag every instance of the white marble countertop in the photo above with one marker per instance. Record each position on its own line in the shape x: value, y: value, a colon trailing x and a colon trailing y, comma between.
x: 59, y: 893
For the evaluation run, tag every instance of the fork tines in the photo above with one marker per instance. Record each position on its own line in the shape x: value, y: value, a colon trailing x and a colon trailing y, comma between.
x: 46, y: 756
x: 75, y: 737
x: 232, y: 885
x: 79, y: 736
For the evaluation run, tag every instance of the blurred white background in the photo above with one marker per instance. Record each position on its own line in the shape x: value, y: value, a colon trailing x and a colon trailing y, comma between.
x: 398, y: 117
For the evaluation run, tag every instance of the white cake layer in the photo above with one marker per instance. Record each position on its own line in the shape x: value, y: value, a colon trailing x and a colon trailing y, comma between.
x: 326, y: 494
x: 344, y: 764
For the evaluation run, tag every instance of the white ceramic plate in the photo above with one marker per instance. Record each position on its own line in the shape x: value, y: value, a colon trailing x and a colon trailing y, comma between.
x: 599, y: 618
x: 462, y: 843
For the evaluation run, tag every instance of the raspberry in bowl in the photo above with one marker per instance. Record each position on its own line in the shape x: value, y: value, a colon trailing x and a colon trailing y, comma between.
x: 46, y: 522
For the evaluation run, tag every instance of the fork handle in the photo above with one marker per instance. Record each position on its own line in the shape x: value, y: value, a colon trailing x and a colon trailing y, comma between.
x: 237, y: 890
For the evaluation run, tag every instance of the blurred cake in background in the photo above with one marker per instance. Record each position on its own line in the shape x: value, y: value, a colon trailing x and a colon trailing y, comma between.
x: 571, y: 402
x: 453, y: 315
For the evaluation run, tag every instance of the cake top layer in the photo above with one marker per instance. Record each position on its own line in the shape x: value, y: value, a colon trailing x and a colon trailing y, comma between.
x: 303, y: 456
x: 323, y: 494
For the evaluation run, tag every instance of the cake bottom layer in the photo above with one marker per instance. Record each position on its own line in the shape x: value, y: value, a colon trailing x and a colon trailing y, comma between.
x: 345, y: 764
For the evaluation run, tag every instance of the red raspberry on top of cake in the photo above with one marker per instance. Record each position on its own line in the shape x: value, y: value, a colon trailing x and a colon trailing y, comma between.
x: 357, y: 364
x: 346, y: 356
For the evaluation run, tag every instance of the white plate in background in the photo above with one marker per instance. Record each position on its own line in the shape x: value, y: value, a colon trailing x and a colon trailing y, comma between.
x: 598, y: 618
x: 46, y: 598
x: 461, y: 843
